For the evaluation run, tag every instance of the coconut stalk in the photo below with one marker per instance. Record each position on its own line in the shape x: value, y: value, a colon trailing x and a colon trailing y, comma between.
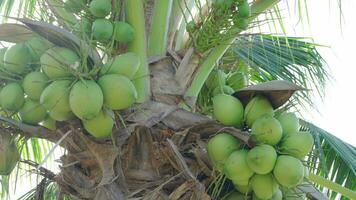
x: 157, y: 44
x: 332, y: 186
x: 215, y: 55
x: 135, y: 16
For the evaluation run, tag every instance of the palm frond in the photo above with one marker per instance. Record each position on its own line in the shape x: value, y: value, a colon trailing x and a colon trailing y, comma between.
x: 284, y: 58
x: 333, y: 159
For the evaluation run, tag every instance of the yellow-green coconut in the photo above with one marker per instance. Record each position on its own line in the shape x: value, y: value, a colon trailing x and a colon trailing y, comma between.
x: 55, y: 98
x: 100, y: 8
x: 102, y: 29
x: 32, y: 112
x: 101, y: 126
x: 125, y: 64
x: 119, y: 92
x: 86, y: 99
x: 34, y: 83
x: 264, y: 186
x: 123, y: 32
x: 12, y: 97
x: 267, y: 130
x: 289, y: 122
x: 37, y: 46
x: 236, y: 168
x: 297, y: 144
x: 243, y: 189
x: 57, y: 62
x: 256, y: 107
x: 261, y: 159
x: 9, y: 154
x: 17, y: 58
x: 228, y: 110
x: 288, y: 171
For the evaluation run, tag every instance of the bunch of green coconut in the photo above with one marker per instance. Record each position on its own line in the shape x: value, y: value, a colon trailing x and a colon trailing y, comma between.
x: 241, y: 10
x: 219, y: 82
x: 43, y: 83
x: 275, y: 164
x: 98, y: 21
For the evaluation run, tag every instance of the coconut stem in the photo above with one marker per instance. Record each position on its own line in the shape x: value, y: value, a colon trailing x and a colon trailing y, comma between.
x: 136, y: 18
x: 157, y: 43
x: 215, y: 55
x: 332, y: 186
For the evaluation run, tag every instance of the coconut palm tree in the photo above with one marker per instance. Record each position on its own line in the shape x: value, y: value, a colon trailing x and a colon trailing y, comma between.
x: 158, y: 147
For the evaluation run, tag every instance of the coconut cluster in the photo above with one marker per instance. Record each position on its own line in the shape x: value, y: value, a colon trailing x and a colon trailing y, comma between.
x: 275, y: 164
x: 98, y: 21
x: 43, y: 83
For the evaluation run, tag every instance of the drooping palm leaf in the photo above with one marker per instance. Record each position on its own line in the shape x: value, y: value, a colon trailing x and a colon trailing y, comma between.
x: 333, y: 158
x: 284, y: 58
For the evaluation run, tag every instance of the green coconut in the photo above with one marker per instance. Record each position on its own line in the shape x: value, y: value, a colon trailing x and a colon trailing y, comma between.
x: 125, y: 64
x: 55, y: 98
x: 32, y: 112
x: 244, y: 10
x: 123, y: 32
x: 256, y: 107
x: 37, y: 46
x: 100, y: 126
x: 244, y: 189
x: 49, y: 123
x: 119, y: 92
x: 264, y: 186
x: 34, y: 83
x: 83, y: 26
x: 9, y: 155
x: 220, y: 147
x: 242, y: 23
x: 236, y: 168
x: 100, y: 8
x: 75, y: 6
x: 261, y: 159
x: 235, y: 196
x: 56, y: 62
x: 267, y: 130
x: 2, y: 55
x: 102, y: 29
x: 289, y: 122
x: 288, y: 171
x: 17, y: 58
x: 237, y: 80
x: 86, y: 99
x: 12, y: 97
x: 216, y: 78
x: 223, y: 90
x: 297, y: 144
x: 228, y: 110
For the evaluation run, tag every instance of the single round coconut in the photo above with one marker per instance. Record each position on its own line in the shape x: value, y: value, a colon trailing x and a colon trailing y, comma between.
x: 75, y: 6
x: 243, y: 189
x: 49, y: 123
x: 235, y: 196
x: 267, y: 130
x: 55, y: 98
x: 86, y: 99
x: 244, y: 10
x: 119, y: 92
x: 9, y: 155
x: 102, y: 29
x: 32, y: 112
x: 12, y: 97
x: 237, y: 80
x: 100, y: 8
x: 220, y: 147
x: 101, y: 126
x: 236, y: 168
x: 123, y: 32
x: 261, y: 159
x: 83, y: 26
x: 298, y: 144
x: 17, y: 58
x: 56, y: 62
x: 34, y: 83
x: 223, y: 90
x: 288, y: 171
x: 216, y: 78
x: 125, y: 64
x: 228, y: 110
x: 264, y: 186
x: 289, y: 122
x: 256, y: 107
x: 2, y: 55
x: 37, y: 46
